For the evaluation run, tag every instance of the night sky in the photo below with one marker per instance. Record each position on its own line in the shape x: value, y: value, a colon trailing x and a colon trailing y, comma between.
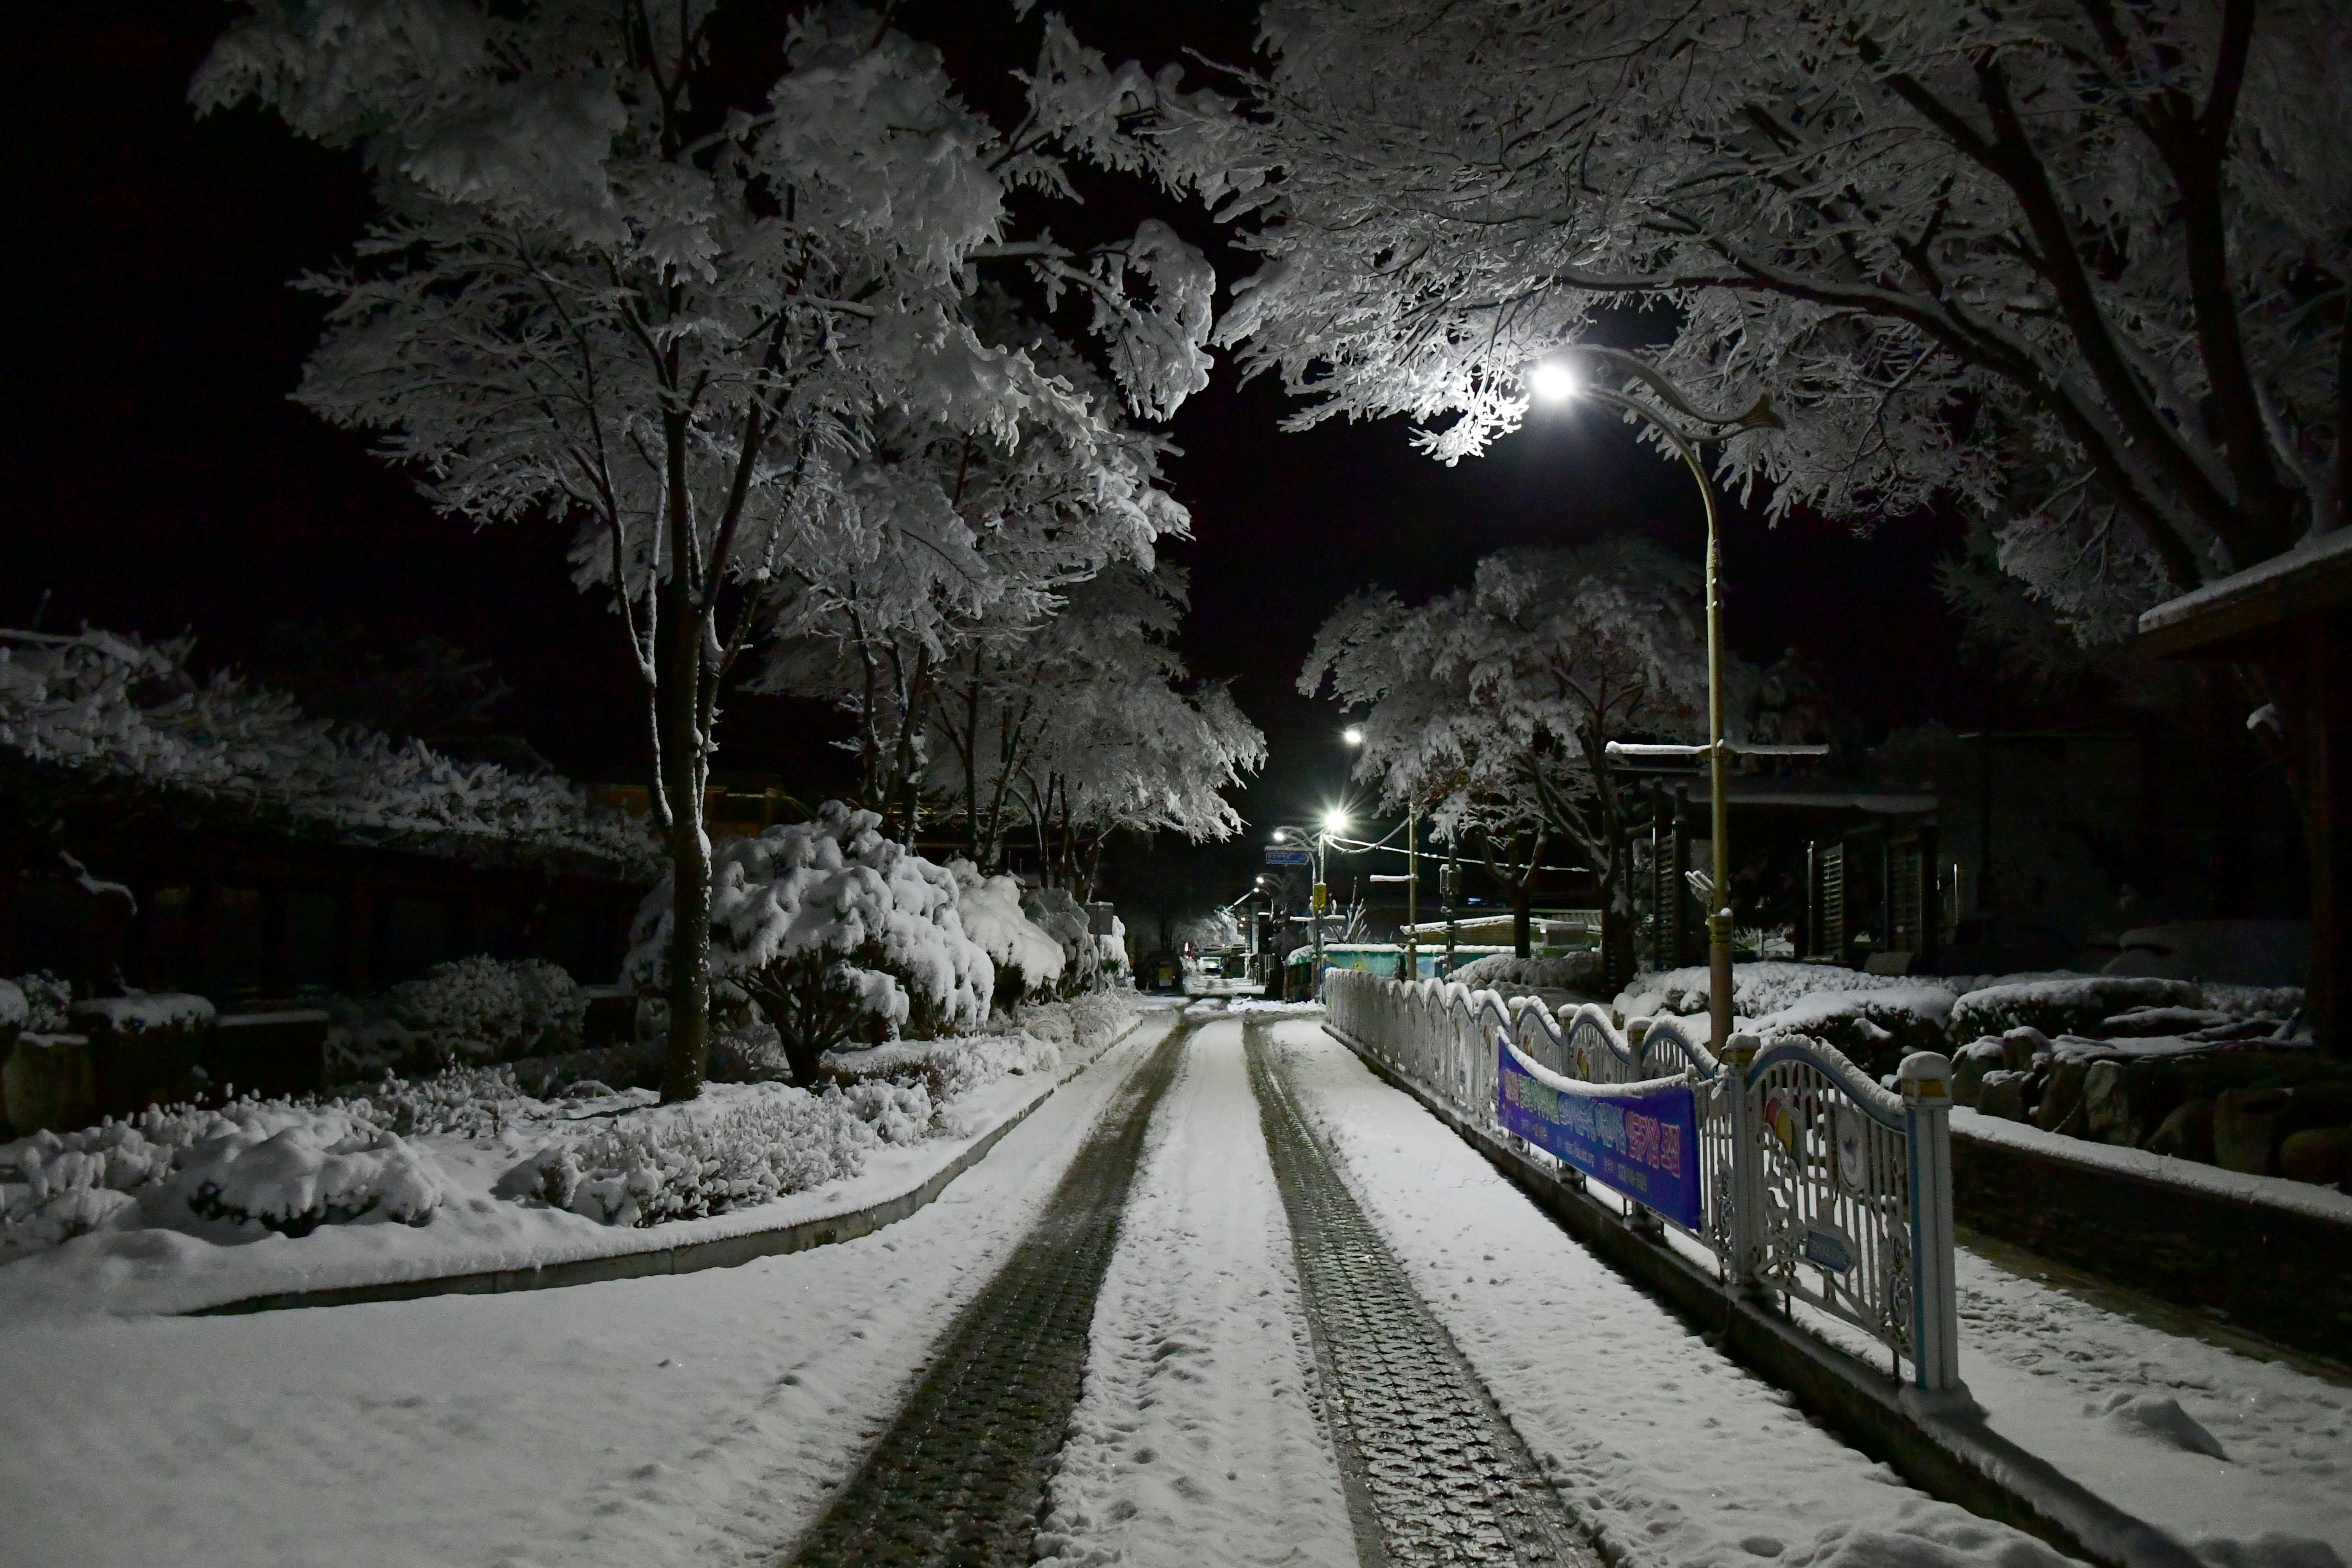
x: 158, y: 480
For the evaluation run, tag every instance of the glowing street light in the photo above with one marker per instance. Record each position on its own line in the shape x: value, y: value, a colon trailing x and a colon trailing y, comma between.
x: 1335, y: 821
x: 1556, y: 381
x: 1552, y: 380
x: 1353, y: 734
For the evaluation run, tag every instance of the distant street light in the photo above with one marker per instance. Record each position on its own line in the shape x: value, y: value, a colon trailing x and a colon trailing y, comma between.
x: 1556, y: 381
x: 1353, y: 734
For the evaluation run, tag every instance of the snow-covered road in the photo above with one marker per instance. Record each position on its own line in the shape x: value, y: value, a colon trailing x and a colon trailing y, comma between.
x: 710, y: 1419
x: 699, y: 1418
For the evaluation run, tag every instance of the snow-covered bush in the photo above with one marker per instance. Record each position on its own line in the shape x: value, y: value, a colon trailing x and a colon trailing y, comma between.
x: 836, y: 934
x: 1058, y: 912
x: 1874, y: 1029
x: 1028, y: 961
x: 287, y: 1165
x: 14, y: 1009
x: 2067, y: 1004
x: 143, y: 1013
x: 1757, y: 989
x: 314, y: 1170
x: 690, y: 1161
x: 1503, y: 971
x: 46, y: 1001
x: 483, y: 1009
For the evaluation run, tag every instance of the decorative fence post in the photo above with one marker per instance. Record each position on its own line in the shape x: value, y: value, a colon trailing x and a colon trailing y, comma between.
x: 1925, y: 1080
x: 1745, y: 1224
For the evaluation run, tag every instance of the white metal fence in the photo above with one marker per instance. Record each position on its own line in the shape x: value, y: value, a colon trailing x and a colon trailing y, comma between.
x: 1818, y: 1183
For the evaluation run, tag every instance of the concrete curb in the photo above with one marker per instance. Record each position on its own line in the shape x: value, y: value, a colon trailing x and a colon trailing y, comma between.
x: 723, y: 1252
x: 1949, y: 1453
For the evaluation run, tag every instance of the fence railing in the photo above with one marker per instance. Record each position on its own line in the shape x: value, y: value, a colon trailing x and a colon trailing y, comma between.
x: 1799, y: 1172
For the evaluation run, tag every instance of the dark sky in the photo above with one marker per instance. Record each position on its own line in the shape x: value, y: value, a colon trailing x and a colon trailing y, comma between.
x: 157, y: 480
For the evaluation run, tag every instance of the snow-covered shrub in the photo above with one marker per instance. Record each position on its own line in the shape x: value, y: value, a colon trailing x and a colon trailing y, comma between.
x: 1874, y: 1029
x: 2067, y: 1004
x: 483, y: 1009
x: 288, y: 1165
x: 1757, y: 989
x: 1503, y: 971
x: 322, y: 1169
x: 687, y: 1162
x: 1058, y: 912
x: 47, y: 1001
x: 472, y: 1102
x: 14, y: 1010
x: 144, y: 1013
x: 836, y: 933
x: 1028, y: 962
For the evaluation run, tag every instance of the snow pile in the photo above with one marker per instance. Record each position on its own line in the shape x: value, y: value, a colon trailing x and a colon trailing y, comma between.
x: 111, y: 704
x: 1758, y: 990
x: 483, y: 1009
x: 1503, y: 971
x: 2068, y: 1004
x: 1027, y: 960
x: 836, y: 934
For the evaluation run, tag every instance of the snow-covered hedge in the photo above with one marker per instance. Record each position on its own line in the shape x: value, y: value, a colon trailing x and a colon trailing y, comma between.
x: 282, y: 1166
x: 1502, y: 971
x: 2070, y: 1004
x: 14, y: 1009
x: 485, y: 1009
x: 1874, y: 1028
x: 836, y: 934
x: 145, y: 1012
x: 1058, y: 912
x: 1757, y: 989
x: 112, y: 704
x: 1028, y: 961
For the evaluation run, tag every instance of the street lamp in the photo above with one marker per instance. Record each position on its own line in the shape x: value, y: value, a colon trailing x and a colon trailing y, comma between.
x: 1353, y: 735
x: 1557, y: 380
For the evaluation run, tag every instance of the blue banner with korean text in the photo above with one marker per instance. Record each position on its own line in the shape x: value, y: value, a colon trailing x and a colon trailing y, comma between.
x: 1640, y: 1139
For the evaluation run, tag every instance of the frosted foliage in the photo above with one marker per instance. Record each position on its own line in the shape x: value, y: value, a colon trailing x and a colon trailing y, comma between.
x: 1492, y: 707
x: 835, y: 887
x: 696, y: 340
x: 989, y: 908
x: 46, y: 1000
x: 113, y: 704
x: 482, y: 1008
x: 2078, y: 263
x: 14, y: 1009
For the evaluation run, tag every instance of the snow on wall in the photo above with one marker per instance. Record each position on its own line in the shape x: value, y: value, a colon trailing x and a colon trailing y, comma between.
x: 161, y: 1010
x: 113, y: 704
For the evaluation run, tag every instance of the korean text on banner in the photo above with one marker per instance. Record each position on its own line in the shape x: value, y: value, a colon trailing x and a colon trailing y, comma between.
x: 1640, y: 1139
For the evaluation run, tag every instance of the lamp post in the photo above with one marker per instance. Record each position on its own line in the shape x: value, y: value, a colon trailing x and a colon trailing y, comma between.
x: 1335, y: 821
x: 1556, y: 381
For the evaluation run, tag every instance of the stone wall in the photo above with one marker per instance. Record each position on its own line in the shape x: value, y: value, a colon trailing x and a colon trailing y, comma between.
x: 2281, y: 1270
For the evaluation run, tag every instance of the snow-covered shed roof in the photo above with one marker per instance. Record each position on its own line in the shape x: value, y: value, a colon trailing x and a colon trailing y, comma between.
x: 2313, y: 575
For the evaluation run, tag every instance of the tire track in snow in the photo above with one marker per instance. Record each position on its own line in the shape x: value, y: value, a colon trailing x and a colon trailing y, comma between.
x: 1197, y: 1439
x: 1435, y: 1475
x: 958, y: 1477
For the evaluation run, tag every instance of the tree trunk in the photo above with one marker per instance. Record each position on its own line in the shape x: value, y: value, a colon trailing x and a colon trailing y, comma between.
x: 1523, y: 900
x: 677, y: 687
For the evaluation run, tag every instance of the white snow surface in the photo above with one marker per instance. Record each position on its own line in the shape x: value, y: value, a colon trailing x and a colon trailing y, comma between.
x: 1502, y: 971
x: 153, y: 1255
x: 1757, y: 989
x: 691, y: 1419
x: 146, y: 1010
x: 1195, y: 1441
x: 1931, y: 1003
x: 1674, y: 1454
x: 2319, y: 1203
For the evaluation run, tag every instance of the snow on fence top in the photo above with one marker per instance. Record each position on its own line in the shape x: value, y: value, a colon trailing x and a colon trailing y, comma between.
x: 110, y: 703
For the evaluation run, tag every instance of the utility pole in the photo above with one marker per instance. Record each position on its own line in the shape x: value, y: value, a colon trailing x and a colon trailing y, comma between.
x: 1449, y: 893
x: 1412, y: 900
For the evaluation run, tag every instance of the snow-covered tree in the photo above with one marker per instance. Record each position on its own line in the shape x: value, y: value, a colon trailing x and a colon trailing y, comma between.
x: 607, y: 287
x: 1491, y: 709
x: 2082, y: 267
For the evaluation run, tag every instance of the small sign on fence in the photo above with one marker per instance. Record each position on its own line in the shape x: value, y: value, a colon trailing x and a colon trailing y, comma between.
x: 1640, y: 1139
x: 1291, y: 855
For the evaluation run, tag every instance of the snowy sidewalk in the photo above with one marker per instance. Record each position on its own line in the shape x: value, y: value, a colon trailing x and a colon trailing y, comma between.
x: 1670, y: 1452
x: 2138, y: 1415
x: 700, y: 1418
